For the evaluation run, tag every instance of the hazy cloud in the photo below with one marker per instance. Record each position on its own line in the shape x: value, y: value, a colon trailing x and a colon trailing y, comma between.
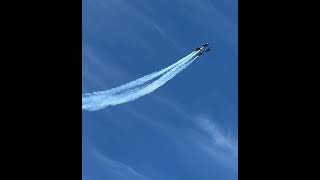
x: 118, y: 169
x: 217, y: 143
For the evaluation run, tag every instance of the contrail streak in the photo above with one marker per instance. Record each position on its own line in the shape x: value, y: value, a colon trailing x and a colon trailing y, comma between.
x: 135, y: 89
x: 143, y: 79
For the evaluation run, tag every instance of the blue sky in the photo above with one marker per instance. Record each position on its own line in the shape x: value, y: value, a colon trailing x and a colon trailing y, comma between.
x: 188, y: 128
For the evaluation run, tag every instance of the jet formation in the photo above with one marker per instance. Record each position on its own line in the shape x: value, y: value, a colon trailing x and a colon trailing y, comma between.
x: 204, y: 48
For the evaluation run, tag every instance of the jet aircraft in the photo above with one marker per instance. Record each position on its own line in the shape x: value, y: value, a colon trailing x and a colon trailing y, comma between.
x: 204, y: 48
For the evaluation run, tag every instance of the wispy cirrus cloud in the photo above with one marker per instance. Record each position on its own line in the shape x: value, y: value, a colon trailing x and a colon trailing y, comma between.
x: 217, y: 143
x: 118, y: 169
x: 205, y: 134
x: 212, y: 139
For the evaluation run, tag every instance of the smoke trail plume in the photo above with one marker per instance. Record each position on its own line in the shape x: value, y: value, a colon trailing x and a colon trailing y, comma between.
x: 135, y: 89
x: 143, y: 79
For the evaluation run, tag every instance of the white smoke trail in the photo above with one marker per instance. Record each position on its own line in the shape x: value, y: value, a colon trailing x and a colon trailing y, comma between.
x: 97, y: 101
x: 143, y: 79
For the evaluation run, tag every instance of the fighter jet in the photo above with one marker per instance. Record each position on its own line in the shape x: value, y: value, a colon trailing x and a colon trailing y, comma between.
x: 204, y: 48
x: 205, y: 45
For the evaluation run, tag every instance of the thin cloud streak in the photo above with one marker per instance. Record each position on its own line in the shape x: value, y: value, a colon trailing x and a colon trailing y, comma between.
x: 215, y: 142
x: 117, y: 168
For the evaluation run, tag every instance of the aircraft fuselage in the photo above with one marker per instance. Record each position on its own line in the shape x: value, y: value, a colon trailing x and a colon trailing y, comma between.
x: 204, y: 48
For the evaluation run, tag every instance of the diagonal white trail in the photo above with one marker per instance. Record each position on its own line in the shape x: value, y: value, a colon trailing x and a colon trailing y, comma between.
x: 143, y: 79
x: 132, y: 91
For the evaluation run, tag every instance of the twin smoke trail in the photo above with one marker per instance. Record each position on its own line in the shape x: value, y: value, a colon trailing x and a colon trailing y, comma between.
x: 137, y: 88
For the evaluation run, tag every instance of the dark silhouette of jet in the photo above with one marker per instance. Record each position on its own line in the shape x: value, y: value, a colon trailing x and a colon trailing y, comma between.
x: 204, y: 48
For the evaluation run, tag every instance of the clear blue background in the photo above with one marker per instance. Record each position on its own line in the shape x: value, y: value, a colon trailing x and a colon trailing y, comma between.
x: 188, y: 128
